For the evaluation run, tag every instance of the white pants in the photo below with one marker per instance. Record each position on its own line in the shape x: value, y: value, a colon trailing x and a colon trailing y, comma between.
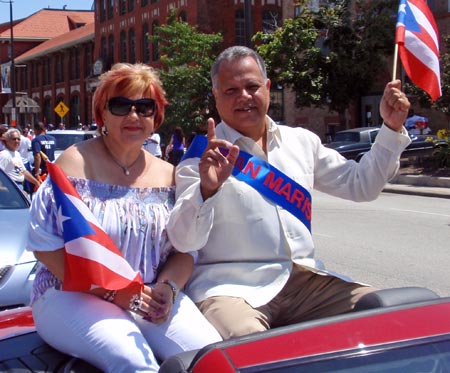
x: 115, y: 340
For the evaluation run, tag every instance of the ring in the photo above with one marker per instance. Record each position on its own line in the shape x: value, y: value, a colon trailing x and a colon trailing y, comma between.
x: 135, y: 303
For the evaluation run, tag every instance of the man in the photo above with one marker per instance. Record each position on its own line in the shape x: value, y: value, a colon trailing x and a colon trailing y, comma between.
x: 11, y: 160
x: 43, y: 146
x: 153, y: 145
x: 256, y: 268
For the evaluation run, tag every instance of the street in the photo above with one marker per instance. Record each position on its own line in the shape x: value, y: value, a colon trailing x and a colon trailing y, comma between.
x: 397, y: 240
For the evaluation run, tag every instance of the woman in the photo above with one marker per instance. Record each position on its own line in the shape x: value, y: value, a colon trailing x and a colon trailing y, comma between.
x: 131, y: 193
x: 175, y: 149
x: 11, y: 160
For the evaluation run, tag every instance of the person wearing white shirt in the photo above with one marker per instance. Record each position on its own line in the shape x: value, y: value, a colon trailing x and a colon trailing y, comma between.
x: 11, y: 160
x: 256, y: 267
x: 153, y: 145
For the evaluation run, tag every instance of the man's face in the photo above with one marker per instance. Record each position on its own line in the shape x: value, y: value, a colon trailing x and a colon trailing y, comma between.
x: 242, y: 96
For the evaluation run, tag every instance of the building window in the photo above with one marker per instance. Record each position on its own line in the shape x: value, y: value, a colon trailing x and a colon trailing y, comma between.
x: 58, y: 75
x: 111, y: 9
x: 132, y: 44
x: 74, y: 111
x: 270, y: 22
x: 155, y: 45
x: 123, y: 46
x: 110, y: 50
x: 103, y: 51
x: 47, y: 71
x: 48, y: 111
x: 123, y: 7
x: 88, y: 59
x: 154, y: 1
x: 183, y: 16
x: 144, y: 3
x: 239, y: 27
x: 102, y: 10
x: 145, y: 44
x: 130, y: 5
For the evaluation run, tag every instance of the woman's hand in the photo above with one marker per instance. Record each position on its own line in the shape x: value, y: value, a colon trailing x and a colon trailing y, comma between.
x: 152, y: 303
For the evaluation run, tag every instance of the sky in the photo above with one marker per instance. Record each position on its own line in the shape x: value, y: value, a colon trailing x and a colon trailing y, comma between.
x: 25, y: 8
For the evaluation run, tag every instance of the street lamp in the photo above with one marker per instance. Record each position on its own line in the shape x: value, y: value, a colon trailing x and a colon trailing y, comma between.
x: 12, y: 67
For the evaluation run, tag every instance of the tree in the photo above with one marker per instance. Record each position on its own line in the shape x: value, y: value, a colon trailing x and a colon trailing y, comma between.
x: 332, y: 56
x: 186, y: 58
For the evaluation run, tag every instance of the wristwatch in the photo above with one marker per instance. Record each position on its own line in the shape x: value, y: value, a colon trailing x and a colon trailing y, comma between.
x: 173, y: 286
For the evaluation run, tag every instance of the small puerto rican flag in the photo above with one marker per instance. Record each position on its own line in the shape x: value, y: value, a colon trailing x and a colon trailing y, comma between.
x: 91, y: 257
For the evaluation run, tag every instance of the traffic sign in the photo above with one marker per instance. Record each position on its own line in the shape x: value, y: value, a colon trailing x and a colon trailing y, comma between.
x: 61, y: 109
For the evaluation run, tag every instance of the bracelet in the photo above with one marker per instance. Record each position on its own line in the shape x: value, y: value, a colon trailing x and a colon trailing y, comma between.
x: 110, y: 295
x: 173, y: 286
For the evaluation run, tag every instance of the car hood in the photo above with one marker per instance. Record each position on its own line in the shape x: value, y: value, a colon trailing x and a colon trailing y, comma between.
x: 345, y: 144
x: 14, y: 236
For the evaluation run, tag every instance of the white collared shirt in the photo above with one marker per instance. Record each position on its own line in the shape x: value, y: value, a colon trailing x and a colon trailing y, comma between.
x: 247, y: 243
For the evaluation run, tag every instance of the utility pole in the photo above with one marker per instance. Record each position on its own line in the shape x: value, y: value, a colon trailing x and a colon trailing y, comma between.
x: 13, y: 69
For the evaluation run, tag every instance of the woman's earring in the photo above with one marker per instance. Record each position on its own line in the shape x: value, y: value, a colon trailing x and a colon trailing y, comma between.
x: 104, y: 130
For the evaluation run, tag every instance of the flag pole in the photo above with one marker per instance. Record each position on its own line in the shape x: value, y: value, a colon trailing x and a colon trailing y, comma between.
x: 394, y: 67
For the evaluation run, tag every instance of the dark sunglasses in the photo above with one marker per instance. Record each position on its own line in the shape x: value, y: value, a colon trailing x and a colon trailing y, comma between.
x: 121, y: 106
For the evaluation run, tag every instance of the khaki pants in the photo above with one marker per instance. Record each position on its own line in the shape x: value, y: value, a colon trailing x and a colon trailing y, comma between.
x: 306, y: 296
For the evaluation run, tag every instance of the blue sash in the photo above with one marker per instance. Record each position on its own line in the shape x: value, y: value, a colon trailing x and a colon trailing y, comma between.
x: 266, y: 179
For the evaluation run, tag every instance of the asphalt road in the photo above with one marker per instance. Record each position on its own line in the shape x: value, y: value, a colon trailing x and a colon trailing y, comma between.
x: 397, y: 240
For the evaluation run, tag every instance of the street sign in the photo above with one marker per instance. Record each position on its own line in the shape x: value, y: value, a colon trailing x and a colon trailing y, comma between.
x: 61, y: 109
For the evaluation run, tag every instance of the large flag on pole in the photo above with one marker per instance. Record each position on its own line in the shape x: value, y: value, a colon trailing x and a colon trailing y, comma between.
x: 91, y: 257
x: 417, y: 38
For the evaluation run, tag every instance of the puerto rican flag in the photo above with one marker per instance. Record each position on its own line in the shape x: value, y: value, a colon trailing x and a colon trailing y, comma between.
x: 91, y: 257
x: 417, y: 38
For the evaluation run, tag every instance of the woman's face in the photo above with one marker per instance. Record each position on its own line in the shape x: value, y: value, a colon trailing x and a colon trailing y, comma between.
x: 130, y: 119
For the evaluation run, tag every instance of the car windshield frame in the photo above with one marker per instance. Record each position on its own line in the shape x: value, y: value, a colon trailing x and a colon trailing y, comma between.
x: 11, y: 198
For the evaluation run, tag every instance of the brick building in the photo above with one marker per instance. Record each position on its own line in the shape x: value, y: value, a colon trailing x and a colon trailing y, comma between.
x: 65, y: 68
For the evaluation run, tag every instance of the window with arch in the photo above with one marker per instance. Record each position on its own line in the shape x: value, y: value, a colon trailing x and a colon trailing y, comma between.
x: 102, y: 10
x: 183, y: 16
x: 74, y: 111
x: 271, y: 21
x: 239, y: 27
x: 88, y: 52
x: 145, y: 43
x: 48, y: 110
x: 132, y: 44
x: 155, y: 44
x: 111, y: 48
x: 103, y: 51
x: 123, y: 46
x: 111, y: 9
x: 123, y: 7
x: 130, y: 5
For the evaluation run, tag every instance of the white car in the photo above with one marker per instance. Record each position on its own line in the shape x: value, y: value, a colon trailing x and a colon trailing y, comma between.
x: 66, y: 138
x: 17, y: 265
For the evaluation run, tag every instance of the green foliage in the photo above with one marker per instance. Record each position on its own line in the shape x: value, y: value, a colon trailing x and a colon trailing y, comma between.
x: 186, y: 56
x: 441, y: 156
x: 332, y: 56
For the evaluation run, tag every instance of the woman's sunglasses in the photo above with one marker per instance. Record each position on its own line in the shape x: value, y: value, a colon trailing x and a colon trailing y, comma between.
x: 121, y: 106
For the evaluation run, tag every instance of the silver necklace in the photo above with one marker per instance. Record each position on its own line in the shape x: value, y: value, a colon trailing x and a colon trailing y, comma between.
x: 126, y: 170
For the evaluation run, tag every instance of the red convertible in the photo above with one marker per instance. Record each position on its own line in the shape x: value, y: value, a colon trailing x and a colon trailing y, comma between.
x: 393, y: 330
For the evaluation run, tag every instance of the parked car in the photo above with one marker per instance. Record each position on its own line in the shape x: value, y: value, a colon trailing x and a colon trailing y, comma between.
x: 66, y: 138
x: 17, y: 265
x: 354, y: 143
x: 393, y: 330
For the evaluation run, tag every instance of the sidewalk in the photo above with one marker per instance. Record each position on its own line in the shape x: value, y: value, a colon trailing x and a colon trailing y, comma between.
x: 419, y: 185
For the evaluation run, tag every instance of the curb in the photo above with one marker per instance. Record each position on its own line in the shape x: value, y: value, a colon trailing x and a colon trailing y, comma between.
x: 419, y: 185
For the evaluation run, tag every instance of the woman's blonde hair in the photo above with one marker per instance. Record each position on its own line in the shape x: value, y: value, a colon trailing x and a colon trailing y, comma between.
x: 125, y: 80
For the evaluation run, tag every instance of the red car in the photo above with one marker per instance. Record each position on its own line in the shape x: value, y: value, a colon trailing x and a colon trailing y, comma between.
x: 393, y: 330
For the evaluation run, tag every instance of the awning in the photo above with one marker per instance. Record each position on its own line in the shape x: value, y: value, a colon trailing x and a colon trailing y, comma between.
x: 24, y: 104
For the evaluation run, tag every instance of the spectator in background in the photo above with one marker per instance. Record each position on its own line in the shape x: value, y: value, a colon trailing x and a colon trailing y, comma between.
x: 153, y: 145
x: 11, y: 160
x: 3, y: 129
x: 417, y: 124
x: 175, y: 149
x: 25, y: 152
x: 43, y: 147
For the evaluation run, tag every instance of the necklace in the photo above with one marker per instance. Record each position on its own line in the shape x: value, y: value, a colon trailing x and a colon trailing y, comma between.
x: 126, y: 169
